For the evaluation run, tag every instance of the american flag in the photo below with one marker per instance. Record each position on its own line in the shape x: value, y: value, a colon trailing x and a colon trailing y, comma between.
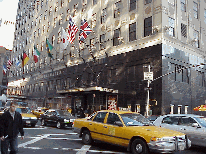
x: 85, y: 30
x: 9, y: 63
x: 72, y: 30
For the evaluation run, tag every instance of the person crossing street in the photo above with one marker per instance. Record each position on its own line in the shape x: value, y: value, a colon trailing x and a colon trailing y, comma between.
x: 10, y: 125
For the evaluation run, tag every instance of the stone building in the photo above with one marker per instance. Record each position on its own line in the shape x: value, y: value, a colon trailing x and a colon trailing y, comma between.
x: 107, y: 71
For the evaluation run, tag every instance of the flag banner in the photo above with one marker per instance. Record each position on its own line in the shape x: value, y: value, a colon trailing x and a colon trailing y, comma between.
x: 9, y: 63
x: 17, y: 62
x: 85, y: 30
x: 36, y: 54
x: 49, y: 49
x: 64, y: 39
x: 25, y: 59
x: 4, y: 69
x: 72, y: 30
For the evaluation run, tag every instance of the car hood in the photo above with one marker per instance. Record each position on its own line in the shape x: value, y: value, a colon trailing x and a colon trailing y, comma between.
x: 154, y: 131
x: 27, y: 115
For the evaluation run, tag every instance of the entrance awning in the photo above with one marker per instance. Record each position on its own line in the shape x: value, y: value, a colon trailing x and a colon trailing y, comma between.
x: 88, y: 89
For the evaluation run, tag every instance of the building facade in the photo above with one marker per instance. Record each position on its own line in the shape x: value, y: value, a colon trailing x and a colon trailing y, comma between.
x: 107, y: 70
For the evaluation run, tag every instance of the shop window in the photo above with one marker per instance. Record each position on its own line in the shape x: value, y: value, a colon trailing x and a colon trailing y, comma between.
x: 147, y: 26
x: 132, y: 32
x: 132, y: 5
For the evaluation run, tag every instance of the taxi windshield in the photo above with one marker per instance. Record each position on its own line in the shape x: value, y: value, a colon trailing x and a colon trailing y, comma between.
x: 64, y: 113
x: 23, y: 110
x: 201, y: 120
x: 133, y: 119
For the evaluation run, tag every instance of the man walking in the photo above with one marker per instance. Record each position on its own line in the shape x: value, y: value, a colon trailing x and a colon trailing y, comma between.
x: 10, y: 125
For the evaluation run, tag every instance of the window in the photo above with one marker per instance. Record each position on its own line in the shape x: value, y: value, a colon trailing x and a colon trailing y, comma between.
x: 112, y: 118
x: 171, y: 27
x: 195, y: 10
x: 205, y: 15
x: 183, y: 5
x: 102, y: 41
x: 184, y: 30
x: 104, y: 15
x: 94, y: 2
x: 117, y: 6
x: 147, y: 26
x: 132, y: 5
x: 100, y: 117
x: 187, y: 121
x: 171, y: 120
x: 75, y: 10
x: 94, y: 20
x: 50, y: 10
x: 147, y: 1
x: 196, y: 38
x: 116, y: 37
x: 132, y: 32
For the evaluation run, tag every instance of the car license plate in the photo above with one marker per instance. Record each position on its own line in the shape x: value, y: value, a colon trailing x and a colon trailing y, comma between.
x: 28, y: 122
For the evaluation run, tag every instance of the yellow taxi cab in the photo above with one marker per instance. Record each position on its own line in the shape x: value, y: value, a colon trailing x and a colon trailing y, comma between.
x: 131, y: 130
x: 27, y: 117
x: 39, y: 111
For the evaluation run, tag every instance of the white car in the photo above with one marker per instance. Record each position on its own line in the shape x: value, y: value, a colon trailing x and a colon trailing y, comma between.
x: 192, y: 125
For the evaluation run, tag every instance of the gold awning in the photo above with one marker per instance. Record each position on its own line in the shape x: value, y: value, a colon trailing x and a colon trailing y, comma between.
x: 87, y: 90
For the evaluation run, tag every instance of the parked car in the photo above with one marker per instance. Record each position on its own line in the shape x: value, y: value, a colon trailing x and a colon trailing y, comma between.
x: 27, y: 117
x: 57, y: 117
x: 39, y: 111
x: 131, y: 130
x: 192, y: 125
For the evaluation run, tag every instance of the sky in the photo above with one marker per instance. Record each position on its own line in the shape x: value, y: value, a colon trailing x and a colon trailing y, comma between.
x: 8, y: 11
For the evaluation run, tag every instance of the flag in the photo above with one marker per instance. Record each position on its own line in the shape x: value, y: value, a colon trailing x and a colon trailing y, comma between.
x: 72, y: 30
x: 36, y: 54
x: 9, y: 63
x: 17, y: 62
x: 25, y: 59
x: 64, y: 39
x: 85, y: 30
x: 4, y: 69
x: 49, y: 49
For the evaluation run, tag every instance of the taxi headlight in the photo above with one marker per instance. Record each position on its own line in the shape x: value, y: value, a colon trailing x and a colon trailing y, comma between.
x: 33, y: 117
x: 25, y: 118
x: 65, y: 120
x: 163, y: 139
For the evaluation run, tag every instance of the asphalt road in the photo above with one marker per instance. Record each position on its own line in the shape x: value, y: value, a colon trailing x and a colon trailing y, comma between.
x: 50, y: 140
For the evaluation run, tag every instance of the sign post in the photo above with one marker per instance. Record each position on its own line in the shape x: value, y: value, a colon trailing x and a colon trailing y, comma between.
x: 149, y: 77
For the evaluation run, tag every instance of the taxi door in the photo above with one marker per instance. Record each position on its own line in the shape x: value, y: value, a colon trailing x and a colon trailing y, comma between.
x: 96, y: 126
x: 115, y: 132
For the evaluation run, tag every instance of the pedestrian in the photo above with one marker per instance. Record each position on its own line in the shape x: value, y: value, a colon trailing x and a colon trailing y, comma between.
x: 10, y: 125
x: 81, y: 112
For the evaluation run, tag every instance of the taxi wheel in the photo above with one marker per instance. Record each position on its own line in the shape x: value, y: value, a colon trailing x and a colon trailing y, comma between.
x: 43, y: 123
x: 86, y: 137
x: 139, y: 147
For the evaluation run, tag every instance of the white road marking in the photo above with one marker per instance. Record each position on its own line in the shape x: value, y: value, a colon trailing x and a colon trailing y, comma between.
x: 62, y: 139
x: 35, y: 128
x: 84, y: 149
x: 33, y: 141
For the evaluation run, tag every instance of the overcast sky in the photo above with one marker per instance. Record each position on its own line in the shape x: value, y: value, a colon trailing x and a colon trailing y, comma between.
x: 8, y: 10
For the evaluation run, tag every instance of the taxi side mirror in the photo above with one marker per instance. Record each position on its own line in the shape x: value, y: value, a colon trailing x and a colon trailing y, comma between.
x: 118, y: 123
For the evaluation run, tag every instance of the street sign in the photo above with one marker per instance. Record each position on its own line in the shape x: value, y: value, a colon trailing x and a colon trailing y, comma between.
x: 148, y: 75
